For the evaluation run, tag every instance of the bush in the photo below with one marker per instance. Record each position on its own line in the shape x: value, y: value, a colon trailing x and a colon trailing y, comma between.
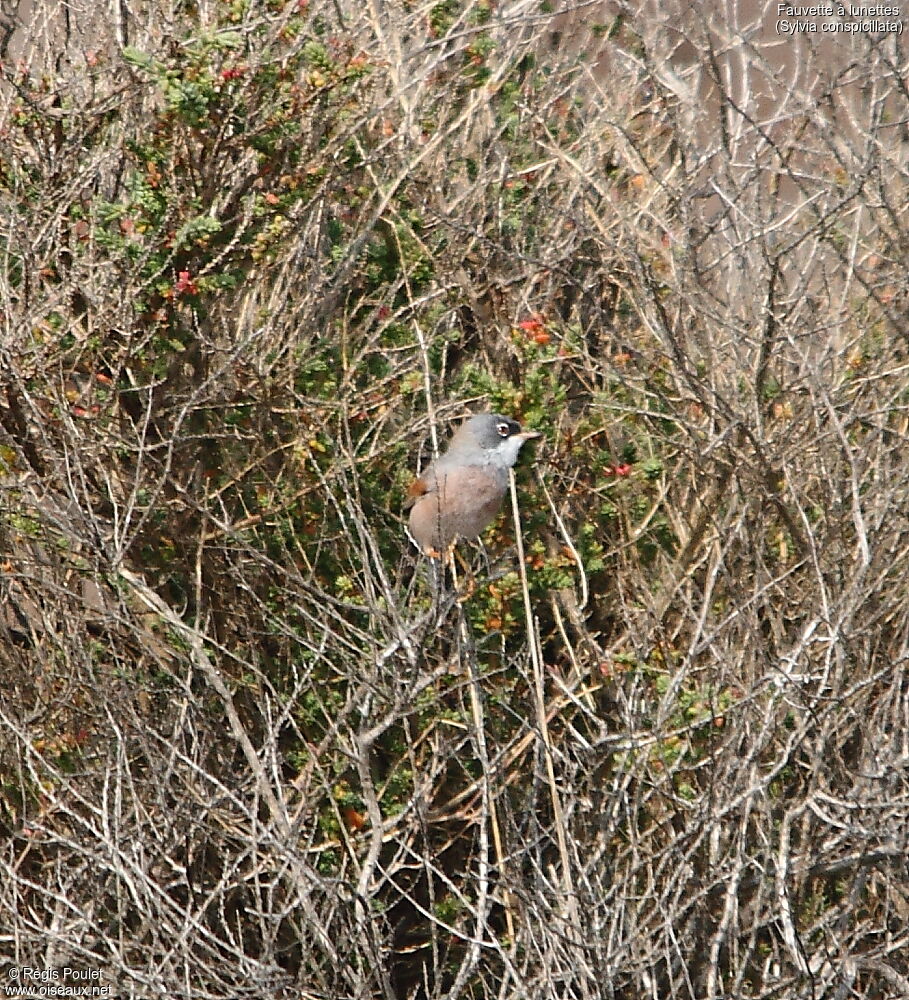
x: 255, y: 254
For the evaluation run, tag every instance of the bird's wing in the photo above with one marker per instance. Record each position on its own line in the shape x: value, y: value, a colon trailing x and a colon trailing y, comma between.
x: 427, y: 483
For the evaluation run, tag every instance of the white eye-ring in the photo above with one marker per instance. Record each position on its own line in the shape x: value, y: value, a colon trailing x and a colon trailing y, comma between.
x: 503, y: 429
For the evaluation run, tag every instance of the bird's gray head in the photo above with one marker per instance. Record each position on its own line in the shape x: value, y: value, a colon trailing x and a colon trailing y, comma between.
x: 489, y: 438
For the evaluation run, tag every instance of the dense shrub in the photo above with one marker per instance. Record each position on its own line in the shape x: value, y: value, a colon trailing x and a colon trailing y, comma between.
x: 256, y: 256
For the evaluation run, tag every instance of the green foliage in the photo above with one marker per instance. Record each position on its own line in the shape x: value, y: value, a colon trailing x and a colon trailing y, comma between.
x: 237, y: 260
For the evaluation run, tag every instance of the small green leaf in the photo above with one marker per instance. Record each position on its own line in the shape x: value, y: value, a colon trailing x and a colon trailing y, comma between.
x: 136, y: 57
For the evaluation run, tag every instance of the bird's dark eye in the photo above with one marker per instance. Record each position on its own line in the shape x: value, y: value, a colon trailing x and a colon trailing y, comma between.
x: 503, y: 429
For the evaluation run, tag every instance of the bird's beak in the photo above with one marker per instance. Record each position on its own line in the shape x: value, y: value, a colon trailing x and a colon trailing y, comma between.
x: 529, y: 435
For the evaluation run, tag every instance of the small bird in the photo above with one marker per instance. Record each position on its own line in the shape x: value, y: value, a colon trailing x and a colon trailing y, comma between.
x: 461, y: 492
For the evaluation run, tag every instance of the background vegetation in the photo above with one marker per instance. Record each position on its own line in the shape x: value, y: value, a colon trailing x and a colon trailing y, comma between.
x: 253, y: 256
